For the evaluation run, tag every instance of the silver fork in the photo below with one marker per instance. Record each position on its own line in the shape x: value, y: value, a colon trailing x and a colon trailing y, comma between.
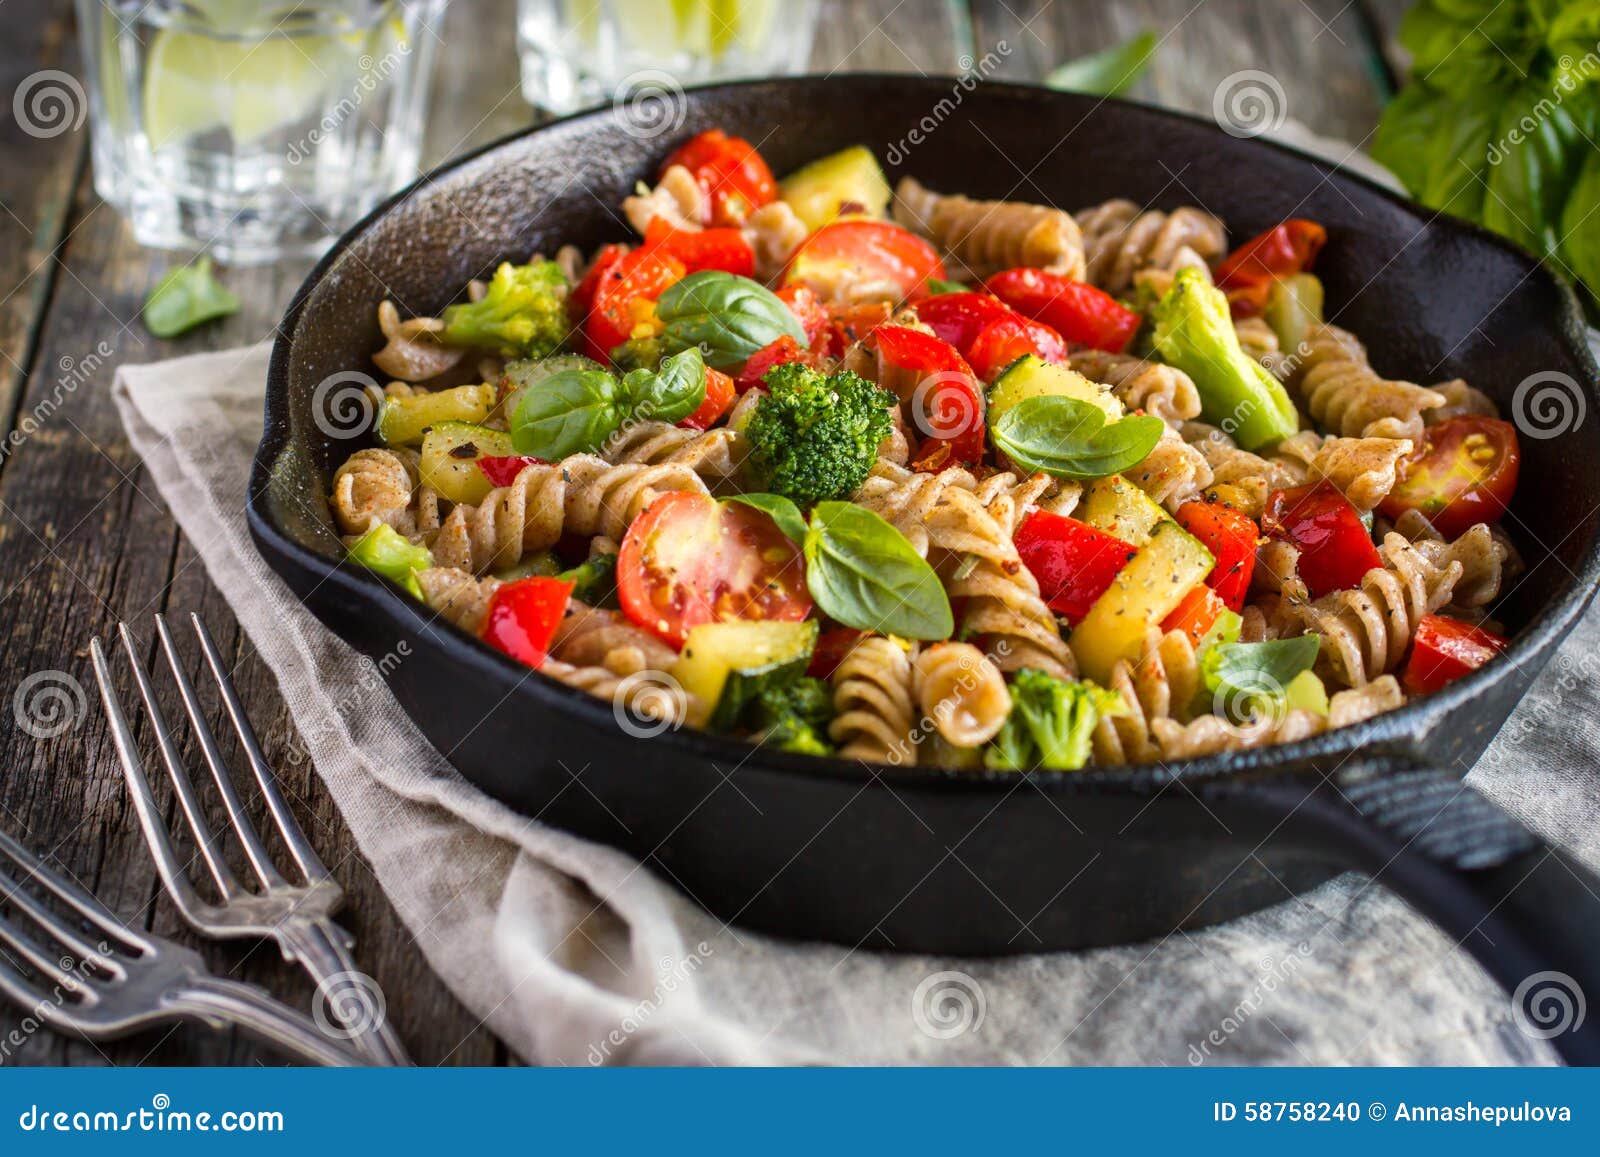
x: 298, y: 916
x: 127, y: 981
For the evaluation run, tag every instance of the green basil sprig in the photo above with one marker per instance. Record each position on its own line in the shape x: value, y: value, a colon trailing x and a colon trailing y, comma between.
x: 576, y: 410
x: 863, y: 573
x: 1070, y: 439
x: 1245, y: 674
x: 186, y: 297
x: 1108, y: 72
x: 780, y: 509
x: 726, y: 317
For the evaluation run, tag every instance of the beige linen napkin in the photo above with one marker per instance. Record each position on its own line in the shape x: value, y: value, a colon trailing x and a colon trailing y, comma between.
x: 574, y: 954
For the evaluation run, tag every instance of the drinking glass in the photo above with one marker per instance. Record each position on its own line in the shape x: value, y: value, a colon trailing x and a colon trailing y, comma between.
x: 255, y: 129
x: 580, y: 52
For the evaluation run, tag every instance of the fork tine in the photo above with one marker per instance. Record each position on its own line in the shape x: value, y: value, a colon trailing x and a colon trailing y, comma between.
x: 299, y: 847
x: 35, y: 954
x: 71, y: 895
x: 174, y: 873
x: 254, y: 850
x: 57, y: 927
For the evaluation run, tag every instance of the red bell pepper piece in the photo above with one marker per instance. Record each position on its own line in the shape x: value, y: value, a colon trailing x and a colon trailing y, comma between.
x: 958, y: 318
x: 1194, y: 616
x: 502, y: 470
x: 1072, y: 561
x: 937, y: 388
x: 719, y: 396
x: 1230, y: 535
x: 1248, y: 272
x: 734, y: 176
x: 774, y: 353
x: 1003, y: 342
x: 848, y: 324
x: 1335, y: 548
x: 637, y: 276
x: 808, y: 309
x: 1443, y: 650
x: 581, y: 300
x: 524, y: 615
x: 724, y: 249
x: 1078, y: 312
x: 832, y: 646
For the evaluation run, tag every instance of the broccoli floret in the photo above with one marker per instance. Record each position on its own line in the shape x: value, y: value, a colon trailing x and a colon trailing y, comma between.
x: 594, y: 581
x: 385, y: 551
x: 1194, y: 332
x: 1050, y: 723
x: 795, y: 717
x: 639, y: 353
x: 815, y: 437
x: 524, y: 313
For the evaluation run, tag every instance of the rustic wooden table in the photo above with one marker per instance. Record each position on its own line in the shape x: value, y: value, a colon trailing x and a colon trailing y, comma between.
x: 85, y: 540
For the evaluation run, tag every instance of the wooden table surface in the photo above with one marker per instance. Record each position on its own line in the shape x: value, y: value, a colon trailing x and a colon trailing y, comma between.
x: 85, y: 539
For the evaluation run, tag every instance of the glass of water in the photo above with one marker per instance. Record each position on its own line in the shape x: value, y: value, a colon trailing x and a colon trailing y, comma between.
x: 255, y: 129
x: 580, y: 52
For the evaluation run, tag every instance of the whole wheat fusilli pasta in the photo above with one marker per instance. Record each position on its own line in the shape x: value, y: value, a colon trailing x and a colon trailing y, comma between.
x: 873, y: 703
x: 1121, y: 240
x: 985, y: 237
x: 962, y: 692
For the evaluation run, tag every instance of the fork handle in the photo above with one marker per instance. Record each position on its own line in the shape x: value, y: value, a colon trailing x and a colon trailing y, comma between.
x: 270, y: 1021
x: 323, y: 950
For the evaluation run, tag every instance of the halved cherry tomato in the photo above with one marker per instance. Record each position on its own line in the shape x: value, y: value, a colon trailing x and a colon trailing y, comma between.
x: 958, y: 318
x: 733, y: 175
x: 622, y: 294
x: 689, y: 559
x: 1004, y: 341
x: 832, y: 646
x: 774, y: 353
x: 724, y: 249
x: 502, y: 470
x: 1248, y: 272
x: 1078, y: 312
x: 1230, y: 535
x: 1335, y: 548
x: 860, y: 249
x: 848, y: 324
x: 1464, y: 472
x: 803, y: 303
x: 937, y: 389
x: 1194, y: 616
x: 1072, y: 561
x: 523, y: 617
x: 1443, y: 650
x: 719, y: 396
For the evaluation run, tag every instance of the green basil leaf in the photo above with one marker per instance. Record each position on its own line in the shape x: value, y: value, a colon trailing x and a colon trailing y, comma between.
x: 1249, y: 672
x: 671, y: 391
x: 780, y: 509
x: 1069, y: 439
x: 1580, y: 247
x: 1107, y: 72
x: 727, y: 317
x: 568, y: 413
x: 187, y: 297
x: 935, y: 286
x: 1534, y: 160
x: 863, y: 573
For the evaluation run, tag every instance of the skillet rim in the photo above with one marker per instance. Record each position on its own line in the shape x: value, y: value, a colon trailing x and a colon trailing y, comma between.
x: 1398, y: 734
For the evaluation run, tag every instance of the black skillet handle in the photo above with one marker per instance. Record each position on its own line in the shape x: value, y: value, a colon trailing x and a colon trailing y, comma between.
x: 1529, y: 913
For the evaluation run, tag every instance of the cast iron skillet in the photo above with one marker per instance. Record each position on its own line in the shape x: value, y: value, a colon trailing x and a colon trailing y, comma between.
x: 918, y: 859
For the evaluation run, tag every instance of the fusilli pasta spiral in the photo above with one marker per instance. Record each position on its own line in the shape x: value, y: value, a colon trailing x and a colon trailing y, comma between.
x: 985, y: 237
x: 677, y: 199
x: 873, y: 704
x: 1161, y: 685
x: 374, y: 487
x: 1120, y: 240
x: 713, y: 454
x: 1345, y: 394
x: 962, y: 692
x: 1156, y: 388
x: 510, y: 523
